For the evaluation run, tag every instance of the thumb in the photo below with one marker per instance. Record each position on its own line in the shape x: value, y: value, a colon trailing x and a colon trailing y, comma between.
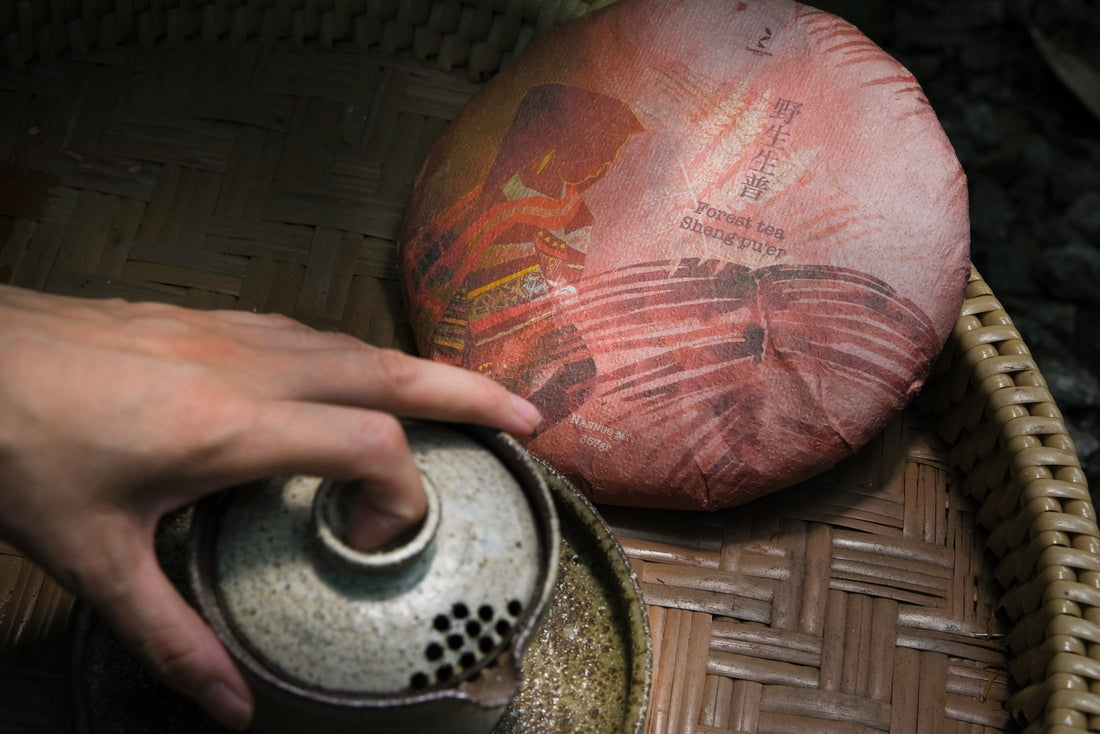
x: 172, y: 640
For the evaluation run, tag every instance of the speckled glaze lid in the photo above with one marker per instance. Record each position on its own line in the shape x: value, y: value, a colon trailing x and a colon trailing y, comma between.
x: 446, y: 610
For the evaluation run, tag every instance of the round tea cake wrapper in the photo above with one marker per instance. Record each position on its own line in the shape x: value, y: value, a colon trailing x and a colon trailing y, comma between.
x: 719, y: 244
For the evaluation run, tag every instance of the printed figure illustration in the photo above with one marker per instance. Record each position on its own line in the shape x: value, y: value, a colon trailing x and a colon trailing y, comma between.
x: 497, y: 264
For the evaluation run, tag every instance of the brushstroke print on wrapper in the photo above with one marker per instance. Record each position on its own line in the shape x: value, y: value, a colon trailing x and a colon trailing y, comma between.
x: 705, y: 273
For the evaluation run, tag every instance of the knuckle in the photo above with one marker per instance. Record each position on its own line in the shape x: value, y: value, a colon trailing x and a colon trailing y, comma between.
x: 171, y: 659
x: 396, y: 369
x: 266, y: 319
x: 378, y: 447
x: 382, y: 436
x: 282, y: 321
x: 205, y: 423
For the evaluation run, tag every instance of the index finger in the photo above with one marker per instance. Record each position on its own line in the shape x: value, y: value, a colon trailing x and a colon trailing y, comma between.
x: 399, y: 383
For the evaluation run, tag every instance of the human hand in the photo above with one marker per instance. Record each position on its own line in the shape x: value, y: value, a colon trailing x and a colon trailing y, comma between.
x: 114, y: 413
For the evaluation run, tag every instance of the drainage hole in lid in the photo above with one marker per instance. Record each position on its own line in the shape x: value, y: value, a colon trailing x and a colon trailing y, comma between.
x: 454, y: 653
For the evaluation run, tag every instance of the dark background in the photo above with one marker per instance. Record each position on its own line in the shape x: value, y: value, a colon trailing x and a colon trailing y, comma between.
x: 1016, y: 85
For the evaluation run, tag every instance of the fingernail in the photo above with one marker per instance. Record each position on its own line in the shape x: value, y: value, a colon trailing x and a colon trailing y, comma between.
x: 528, y: 413
x: 225, y: 705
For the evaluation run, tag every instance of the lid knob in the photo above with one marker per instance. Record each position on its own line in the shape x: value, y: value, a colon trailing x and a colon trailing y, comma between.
x: 408, y: 553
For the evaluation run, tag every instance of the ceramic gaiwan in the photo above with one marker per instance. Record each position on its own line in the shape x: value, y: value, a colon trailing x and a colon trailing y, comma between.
x: 426, y: 634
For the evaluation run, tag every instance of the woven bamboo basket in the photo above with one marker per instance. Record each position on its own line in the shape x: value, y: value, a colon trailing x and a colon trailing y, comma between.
x: 255, y: 154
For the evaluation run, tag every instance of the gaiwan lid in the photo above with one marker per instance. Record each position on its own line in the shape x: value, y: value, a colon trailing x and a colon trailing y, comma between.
x: 436, y: 607
x: 719, y: 244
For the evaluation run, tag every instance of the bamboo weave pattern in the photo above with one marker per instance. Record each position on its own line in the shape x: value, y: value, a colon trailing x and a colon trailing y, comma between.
x: 176, y: 152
